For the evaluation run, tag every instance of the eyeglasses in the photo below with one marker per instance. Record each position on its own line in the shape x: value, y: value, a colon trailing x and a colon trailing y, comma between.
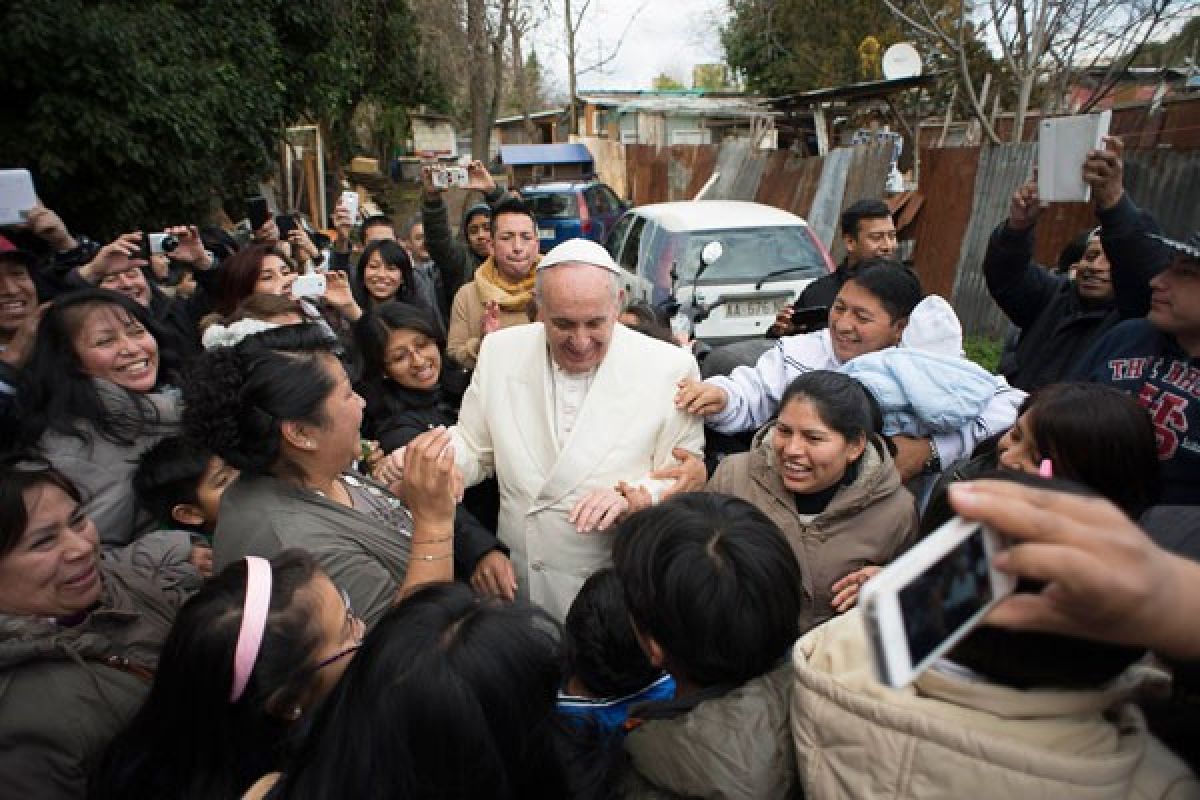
x: 351, y: 619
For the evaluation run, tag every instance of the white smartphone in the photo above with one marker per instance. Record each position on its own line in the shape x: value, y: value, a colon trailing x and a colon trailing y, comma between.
x: 311, y: 284
x: 17, y: 196
x: 926, y: 601
x: 350, y: 203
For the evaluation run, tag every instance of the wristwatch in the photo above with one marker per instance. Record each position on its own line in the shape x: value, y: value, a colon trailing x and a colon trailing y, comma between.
x: 933, y: 464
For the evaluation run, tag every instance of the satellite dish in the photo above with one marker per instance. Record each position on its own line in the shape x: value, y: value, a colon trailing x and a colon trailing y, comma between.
x: 901, y: 61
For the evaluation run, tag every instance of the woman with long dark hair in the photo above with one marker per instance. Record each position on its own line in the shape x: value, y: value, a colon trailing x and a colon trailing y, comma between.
x: 384, y: 274
x: 92, y: 399
x: 237, y: 701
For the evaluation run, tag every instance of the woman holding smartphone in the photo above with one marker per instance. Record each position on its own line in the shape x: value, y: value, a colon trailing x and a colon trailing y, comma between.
x: 823, y: 474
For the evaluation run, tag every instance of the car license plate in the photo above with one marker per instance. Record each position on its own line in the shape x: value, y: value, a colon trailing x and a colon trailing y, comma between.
x: 755, y: 308
x: 546, y: 233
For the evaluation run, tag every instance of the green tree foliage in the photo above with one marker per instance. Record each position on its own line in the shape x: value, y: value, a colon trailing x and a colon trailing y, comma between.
x: 149, y: 112
x: 667, y: 83
x: 783, y: 46
x: 711, y: 77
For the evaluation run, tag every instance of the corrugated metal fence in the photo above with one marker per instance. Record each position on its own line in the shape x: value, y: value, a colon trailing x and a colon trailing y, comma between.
x: 1164, y: 182
x: 815, y: 188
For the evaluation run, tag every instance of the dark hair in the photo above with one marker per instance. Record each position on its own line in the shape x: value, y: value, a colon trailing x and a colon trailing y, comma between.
x: 236, y: 399
x: 895, y: 286
x: 842, y: 402
x: 393, y: 255
x: 188, y: 740
x: 649, y: 322
x: 375, y: 326
x: 262, y: 306
x: 712, y: 580
x: 238, y: 276
x: 1030, y: 660
x: 56, y: 394
x: 450, y: 696
x: 18, y: 472
x: 169, y: 474
x: 1098, y: 436
x: 860, y: 210
x: 219, y: 242
x: 1072, y: 252
x: 379, y: 221
x: 510, y: 205
x: 600, y: 648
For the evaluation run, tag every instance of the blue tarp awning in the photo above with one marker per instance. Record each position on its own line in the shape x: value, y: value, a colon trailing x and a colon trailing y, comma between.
x: 519, y: 155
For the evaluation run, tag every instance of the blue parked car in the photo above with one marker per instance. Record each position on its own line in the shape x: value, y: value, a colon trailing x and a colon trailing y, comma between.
x: 587, y: 210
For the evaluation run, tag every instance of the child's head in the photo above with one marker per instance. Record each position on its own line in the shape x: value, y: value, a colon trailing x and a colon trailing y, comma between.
x: 712, y: 587
x: 603, y: 658
x: 181, y: 484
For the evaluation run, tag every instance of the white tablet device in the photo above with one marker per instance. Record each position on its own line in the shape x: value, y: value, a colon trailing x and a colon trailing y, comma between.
x: 17, y: 196
x: 923, y: 603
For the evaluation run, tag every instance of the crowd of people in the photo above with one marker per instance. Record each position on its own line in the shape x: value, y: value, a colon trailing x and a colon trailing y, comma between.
x: 464, y: 521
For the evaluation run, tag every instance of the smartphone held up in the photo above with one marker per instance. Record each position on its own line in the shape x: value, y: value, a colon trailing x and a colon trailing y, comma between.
x: 923, y: 603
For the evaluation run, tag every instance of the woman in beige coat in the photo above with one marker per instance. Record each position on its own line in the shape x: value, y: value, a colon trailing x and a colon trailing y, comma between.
x: 829, y: 482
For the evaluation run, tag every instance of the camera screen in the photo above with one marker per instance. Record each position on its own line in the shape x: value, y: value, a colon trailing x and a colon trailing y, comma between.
x: 945, y: 597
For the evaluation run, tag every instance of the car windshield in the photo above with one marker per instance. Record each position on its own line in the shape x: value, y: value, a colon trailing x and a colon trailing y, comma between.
x: 749, y: 254
x: 551, y: 205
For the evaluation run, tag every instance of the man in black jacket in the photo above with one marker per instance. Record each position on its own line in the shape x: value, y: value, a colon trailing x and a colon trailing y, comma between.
x: 1061, y: 318
x: 867, y: 232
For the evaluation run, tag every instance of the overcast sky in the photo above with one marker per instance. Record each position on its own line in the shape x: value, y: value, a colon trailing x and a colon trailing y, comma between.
x: 666, y: 36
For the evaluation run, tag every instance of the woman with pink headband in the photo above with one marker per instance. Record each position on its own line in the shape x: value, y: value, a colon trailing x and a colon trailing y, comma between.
x: 254, y: 650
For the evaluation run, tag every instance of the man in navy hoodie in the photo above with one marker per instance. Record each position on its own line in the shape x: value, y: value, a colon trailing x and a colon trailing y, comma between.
x: 1157, y: 359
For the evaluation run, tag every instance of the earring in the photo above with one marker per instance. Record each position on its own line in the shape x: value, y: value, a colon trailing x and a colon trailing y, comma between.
x: 296, y: 712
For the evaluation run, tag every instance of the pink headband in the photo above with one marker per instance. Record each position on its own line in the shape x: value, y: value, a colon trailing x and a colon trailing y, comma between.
x: 254, y: 621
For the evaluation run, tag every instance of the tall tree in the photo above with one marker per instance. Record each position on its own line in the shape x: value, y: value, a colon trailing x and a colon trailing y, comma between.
x: 575, y: 15
x: 150, y: 112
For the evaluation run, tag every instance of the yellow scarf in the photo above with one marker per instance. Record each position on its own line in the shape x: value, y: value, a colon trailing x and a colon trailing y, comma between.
x: 508, y: 295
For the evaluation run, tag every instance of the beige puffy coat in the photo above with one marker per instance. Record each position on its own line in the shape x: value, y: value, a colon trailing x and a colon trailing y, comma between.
x: 870, y: 521
x: 947, y: 737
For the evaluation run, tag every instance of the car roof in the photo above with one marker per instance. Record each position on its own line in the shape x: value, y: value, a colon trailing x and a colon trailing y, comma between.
x: 560, y: 186
x: 712, y: 215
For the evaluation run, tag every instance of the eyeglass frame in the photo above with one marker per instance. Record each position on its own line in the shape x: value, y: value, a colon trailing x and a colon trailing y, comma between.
x: 351, y: 617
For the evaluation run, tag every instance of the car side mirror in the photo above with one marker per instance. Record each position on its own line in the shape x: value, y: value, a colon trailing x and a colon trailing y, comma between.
x: 711, y: 253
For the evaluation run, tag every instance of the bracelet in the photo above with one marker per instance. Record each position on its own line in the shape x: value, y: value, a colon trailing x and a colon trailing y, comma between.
x: 434, y: 558
x: 433, y: 541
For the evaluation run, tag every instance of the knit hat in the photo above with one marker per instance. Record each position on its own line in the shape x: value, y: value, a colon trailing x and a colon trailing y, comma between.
x: 1190, y: 248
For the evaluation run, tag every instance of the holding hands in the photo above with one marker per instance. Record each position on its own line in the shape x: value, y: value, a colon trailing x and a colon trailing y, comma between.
x: 698, y: 397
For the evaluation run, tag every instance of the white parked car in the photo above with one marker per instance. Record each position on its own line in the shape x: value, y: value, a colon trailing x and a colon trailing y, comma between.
x: 767, y: 258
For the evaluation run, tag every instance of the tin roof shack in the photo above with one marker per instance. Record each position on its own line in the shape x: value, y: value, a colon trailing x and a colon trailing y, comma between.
x: 669, y: 117
x: 548, y: 127
x: 538, y: 163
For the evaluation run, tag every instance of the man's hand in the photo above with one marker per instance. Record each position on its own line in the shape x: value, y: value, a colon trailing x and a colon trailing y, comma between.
x: 20, y: 346
x: 268, y: 233
x: 115, y: 256
x: 302, y: 244
x: 491, y: 318
x: 1104, y: 171
x: 782, y: 326
x: 343, y: 223
x: 1105, y: 579
x: 598, y: 510
x: 846, y: 589
x: 190, y: 249
x: 1024, y: 207
x: 430, y: 478
x: 698, y: 397
x: 479, y: 178
x: 431, y: 189
x: 202, y: 559
x: 49, y: 227
x: 638, y: 497
x: 494, y: 577
x: 689, y: 474
x: 911, y: 455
